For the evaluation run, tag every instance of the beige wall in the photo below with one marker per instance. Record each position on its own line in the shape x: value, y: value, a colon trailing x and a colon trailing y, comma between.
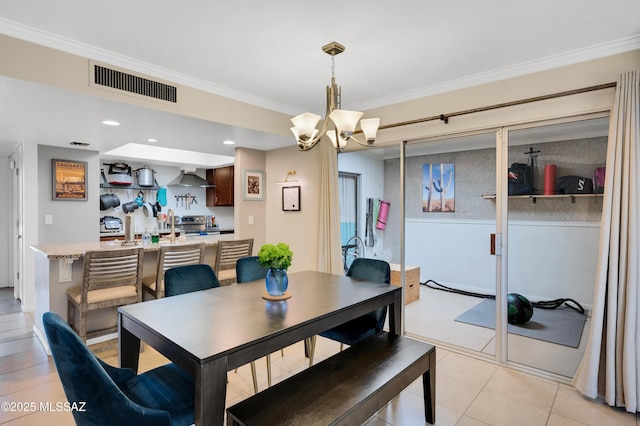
x: 270, y: 224
x: 31, y: 62
x: 586, y: 74
x: 298, y: 229
x: 246, y: 211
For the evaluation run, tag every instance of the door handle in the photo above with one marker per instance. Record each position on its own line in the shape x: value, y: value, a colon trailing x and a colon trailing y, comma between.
x: 496, y: 245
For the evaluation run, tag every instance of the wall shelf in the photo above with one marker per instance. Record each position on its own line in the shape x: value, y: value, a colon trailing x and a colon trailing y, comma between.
x: 104, y: 183
x: 132, y: 186
x: 534, y: 197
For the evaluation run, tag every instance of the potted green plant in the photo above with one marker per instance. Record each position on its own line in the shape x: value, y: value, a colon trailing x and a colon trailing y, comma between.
x: 278, y: 259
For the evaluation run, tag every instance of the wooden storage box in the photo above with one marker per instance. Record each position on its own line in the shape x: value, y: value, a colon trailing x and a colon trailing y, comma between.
x: 412, y: 289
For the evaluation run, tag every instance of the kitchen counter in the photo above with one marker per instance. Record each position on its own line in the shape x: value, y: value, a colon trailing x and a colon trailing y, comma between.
x: 77, y: 250
x: 59, y: 267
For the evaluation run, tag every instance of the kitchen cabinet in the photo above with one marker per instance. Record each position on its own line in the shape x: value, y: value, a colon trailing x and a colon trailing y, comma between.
x: 222, y: 194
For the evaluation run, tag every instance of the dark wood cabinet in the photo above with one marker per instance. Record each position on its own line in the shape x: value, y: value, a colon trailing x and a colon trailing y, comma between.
x: 222, y: 194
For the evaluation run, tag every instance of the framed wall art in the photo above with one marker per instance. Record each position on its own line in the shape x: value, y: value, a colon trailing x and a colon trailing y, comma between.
x: 253, y: 185
x: 291, y: 198
x: 69, y: 180
x: 438, y: 188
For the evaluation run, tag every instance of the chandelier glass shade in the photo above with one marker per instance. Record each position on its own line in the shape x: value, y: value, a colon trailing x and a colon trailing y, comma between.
x: 344, y: 121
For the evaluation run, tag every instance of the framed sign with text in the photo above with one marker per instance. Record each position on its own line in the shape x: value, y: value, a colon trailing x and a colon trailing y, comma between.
x: 69, y: 180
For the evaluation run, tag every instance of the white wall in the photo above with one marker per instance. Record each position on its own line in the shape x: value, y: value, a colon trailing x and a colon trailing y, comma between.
x: 452, y: 252
x: 30, y: 231
x: 553, y: 260
x: 547, y: 260
x: 7, y: 228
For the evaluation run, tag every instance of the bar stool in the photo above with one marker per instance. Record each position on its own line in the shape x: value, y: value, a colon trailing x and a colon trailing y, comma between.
x: 229, y: 251
x: 111, y: 278
x: 169, y: 257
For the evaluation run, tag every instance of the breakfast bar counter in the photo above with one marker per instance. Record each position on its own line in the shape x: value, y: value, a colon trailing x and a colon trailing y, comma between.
x: 76, y: 250
x: 59, y: 267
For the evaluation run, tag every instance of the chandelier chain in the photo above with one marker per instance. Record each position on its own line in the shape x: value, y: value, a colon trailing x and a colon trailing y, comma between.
x: 333, y: 66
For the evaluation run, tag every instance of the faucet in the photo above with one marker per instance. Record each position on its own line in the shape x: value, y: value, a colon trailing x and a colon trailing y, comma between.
x: 172, y: 235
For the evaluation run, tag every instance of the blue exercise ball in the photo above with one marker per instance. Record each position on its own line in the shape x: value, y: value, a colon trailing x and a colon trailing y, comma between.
x: 519, y: 309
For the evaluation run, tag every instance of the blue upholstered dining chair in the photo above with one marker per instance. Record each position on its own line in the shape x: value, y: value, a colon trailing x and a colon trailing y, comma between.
x: 188, y: 278
x: 106, y: 395
x: 358, y: 329
x: 249, y: 269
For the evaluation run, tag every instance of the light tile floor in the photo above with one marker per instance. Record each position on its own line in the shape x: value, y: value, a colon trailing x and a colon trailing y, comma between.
x: 469, y: 391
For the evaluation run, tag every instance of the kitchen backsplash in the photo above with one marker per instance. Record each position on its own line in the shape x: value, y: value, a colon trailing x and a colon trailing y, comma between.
x: 182, y: 200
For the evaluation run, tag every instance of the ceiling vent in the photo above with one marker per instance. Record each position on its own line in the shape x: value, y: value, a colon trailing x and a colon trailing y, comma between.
x: 108, y: 77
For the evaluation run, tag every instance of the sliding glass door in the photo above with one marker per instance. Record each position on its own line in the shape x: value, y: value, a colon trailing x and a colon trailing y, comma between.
x: 553, y: 237
x: 448, y: 228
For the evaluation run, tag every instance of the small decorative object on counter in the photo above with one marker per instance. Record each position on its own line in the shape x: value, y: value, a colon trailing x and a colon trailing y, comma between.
x: 278, y: 259
x: 146, y: 237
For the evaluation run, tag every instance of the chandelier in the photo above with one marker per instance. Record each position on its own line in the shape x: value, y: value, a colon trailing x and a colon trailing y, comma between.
x: 344, y: 122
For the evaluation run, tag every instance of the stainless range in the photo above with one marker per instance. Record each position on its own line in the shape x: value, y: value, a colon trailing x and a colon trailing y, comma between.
x: 193, y: 224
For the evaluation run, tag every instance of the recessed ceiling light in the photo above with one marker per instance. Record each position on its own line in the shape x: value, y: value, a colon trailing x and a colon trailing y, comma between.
x: 152, y: 140
x: 228, y: 142
x: 110, y: 123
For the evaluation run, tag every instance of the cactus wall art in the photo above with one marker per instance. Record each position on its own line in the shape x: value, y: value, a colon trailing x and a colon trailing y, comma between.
x: 438, y: 187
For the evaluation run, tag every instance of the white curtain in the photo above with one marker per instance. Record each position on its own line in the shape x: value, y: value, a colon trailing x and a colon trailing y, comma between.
x: 329, y: 247
x: 611, y: 364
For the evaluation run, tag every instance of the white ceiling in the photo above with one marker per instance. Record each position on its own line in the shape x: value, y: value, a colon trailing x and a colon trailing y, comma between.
x: 268, y: 54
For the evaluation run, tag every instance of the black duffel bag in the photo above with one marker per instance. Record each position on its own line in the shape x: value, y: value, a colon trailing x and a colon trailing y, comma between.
x: 520, y: 179
x: 574, y: 185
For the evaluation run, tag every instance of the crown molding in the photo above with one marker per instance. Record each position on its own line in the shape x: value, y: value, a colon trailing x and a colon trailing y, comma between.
x: 23, y: 32
x: 517, y: 70
x: 43, y: 38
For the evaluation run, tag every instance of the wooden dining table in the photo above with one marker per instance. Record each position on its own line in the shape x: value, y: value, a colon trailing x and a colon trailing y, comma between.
x: 207, y: 333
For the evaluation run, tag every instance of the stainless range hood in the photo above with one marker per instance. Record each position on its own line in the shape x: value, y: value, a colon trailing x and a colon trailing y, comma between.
x: 190, y: 179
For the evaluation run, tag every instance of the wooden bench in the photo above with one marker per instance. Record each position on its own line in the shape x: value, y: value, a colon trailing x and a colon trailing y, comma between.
x: 347, y: 388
